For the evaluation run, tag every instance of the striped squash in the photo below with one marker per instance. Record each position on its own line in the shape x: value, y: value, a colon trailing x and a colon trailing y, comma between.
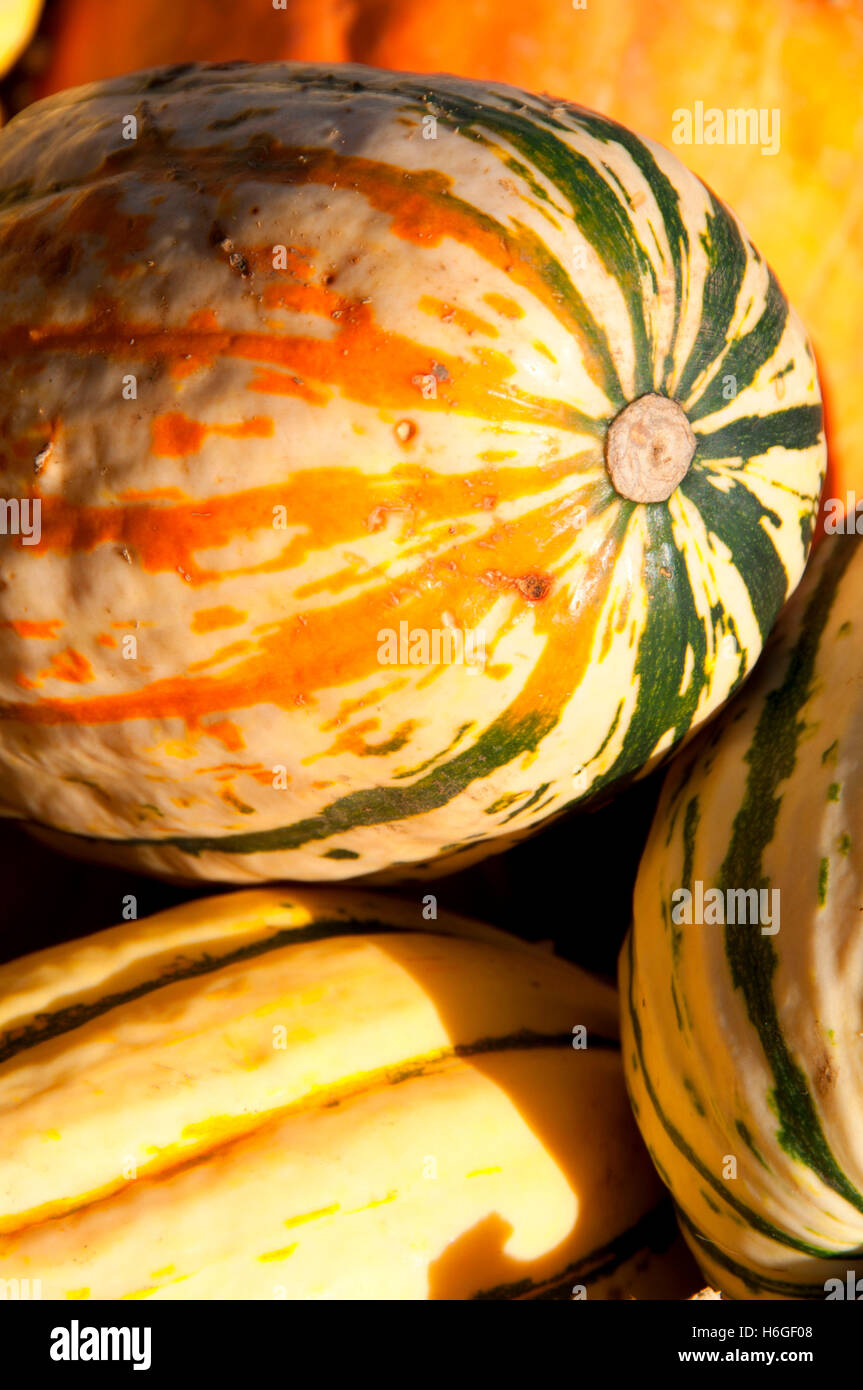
x: 300, y: 390
x: 253, y: 1097
x: 743, y: 1040
x: 642, y: 63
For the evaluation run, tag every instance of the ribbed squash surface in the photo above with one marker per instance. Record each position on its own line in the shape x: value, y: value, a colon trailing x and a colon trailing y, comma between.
x: 273, y: 1095
x: 287, y: 375
x: 742, y: 1043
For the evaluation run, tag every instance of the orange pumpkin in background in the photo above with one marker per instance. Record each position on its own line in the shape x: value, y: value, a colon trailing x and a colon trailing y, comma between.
x: 640, y: 63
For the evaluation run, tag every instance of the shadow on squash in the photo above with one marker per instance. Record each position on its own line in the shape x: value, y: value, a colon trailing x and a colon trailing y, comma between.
x: 623, y: 1242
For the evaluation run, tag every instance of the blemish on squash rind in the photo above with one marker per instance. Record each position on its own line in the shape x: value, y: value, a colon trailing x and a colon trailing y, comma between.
x: 823, y: 873
x: 275, y: 1255
x: 746, y: 1135
x: 311, y: 1215
x: 693, y: 1095
x: 376, y: 1202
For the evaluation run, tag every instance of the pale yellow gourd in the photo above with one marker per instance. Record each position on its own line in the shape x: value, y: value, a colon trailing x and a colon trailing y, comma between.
x: 303, y: 1095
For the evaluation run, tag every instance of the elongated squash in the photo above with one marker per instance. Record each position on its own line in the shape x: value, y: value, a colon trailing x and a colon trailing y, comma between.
x: 413, y: 459
x: 743, y: 977
x: 305, y: 1095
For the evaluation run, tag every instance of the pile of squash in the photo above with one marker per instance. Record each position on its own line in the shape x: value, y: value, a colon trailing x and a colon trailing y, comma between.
x: 394, y: 466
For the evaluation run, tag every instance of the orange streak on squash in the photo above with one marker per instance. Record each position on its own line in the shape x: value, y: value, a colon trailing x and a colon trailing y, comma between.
x: 197, y: 355
x: 273, y: 383
x: 463, y: 318
x: 165, y: 538
x: 211, y: 619
x: 219, y: 657
x: 231, y: 769
x: 265, y: 776
x: 68, y: 665
x: 566, y: 656
x: 43, y: 632
x: 125, y: 237
x: 152, y: 494
x: 88, y: 224
x: 227, y: 733
x: 510, y: 308
x: 367, y: 363
x: 421, y: 204
x: 175, y: 435
x: 326, y: 648
x: 342, y: 579
x: 422, y: 208
x: 377, y: 695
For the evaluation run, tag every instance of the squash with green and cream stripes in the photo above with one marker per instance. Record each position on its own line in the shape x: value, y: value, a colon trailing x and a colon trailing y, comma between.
x: 742, y: 1016
x: 414, y: 459
x: 318, y: 1095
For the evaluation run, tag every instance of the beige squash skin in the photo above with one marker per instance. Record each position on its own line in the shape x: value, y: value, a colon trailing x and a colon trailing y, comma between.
x: 191, y: 654
x: 712, y: 1035
x: 351, y: 1116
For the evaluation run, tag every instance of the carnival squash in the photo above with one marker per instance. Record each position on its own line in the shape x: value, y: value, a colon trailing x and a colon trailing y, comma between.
x: 640, y: 63
x: 742, y: 980
x: 410, y: 460
x: 315, y: 1095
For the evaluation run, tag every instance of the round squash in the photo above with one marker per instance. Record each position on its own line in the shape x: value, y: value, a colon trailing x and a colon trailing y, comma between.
x: 310, y: 1095
x: 742, y: 1015
x: 640, y: 63
x: 413, y: 460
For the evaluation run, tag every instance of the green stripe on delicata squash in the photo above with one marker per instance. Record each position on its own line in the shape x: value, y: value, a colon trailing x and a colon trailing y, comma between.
x: 330, y: 358
x: 770, y: 1177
